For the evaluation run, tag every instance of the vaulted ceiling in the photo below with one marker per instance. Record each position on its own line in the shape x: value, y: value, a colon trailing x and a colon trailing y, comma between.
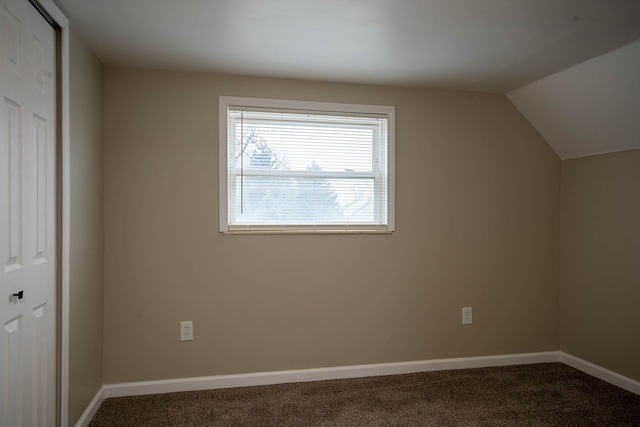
x: 570, y: 66
x: 591, y: 108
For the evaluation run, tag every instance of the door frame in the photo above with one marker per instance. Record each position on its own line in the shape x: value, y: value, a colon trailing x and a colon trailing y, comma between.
x: 55, y: 16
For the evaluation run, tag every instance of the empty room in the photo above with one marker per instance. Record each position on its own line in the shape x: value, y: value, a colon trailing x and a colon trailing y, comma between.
x: 343, y: 212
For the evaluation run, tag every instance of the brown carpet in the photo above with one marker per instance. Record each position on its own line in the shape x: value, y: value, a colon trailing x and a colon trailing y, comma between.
x: 550, y: 394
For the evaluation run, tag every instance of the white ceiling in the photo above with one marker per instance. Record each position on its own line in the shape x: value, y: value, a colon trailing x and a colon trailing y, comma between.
x: 480, y: 45
x: 592, y: 108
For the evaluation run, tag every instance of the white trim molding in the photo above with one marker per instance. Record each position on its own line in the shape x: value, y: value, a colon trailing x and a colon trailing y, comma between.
x: 319, y: 374
x: 91, y: 410
x: 62, y: 310
x: 602, y: 373
x: 55, y: 13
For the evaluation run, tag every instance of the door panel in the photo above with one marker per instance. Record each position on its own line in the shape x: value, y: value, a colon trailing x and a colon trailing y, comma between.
x: 27, y: 197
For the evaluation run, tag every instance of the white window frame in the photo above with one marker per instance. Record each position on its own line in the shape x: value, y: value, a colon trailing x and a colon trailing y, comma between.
x: 225, y: 102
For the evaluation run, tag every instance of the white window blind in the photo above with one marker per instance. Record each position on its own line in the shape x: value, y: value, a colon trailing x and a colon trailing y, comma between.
x: 292, y: 166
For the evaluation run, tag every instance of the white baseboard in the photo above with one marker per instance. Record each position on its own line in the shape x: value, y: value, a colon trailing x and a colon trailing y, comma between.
x: 601, y: 373
x: 91, y: 410
x: 305, y: 375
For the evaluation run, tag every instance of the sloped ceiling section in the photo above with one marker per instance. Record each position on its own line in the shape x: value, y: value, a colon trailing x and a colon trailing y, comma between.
x: 591, y: 108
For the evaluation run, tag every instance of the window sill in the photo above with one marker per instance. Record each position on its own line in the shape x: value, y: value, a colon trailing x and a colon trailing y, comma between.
x: 243, y: 230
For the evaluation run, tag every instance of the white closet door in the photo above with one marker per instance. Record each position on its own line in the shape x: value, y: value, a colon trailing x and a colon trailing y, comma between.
x: 27, y: 222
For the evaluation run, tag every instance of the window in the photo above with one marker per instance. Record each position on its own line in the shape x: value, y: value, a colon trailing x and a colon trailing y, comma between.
x: 305, y: 167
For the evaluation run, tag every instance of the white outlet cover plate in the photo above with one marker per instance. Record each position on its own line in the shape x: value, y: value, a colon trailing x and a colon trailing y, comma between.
x: 467, y: 316
x: 186, y: 331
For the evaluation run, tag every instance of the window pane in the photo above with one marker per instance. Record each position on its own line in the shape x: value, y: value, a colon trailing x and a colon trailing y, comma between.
x: 274, y: 200
x: 332, y: 143
x: 299, y: 146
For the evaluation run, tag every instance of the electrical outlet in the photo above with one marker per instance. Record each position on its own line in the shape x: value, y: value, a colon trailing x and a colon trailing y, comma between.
x: 467, y: 316
x: 186, y: 331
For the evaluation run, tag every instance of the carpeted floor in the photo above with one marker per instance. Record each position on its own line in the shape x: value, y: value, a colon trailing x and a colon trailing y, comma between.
x: 550, y: 394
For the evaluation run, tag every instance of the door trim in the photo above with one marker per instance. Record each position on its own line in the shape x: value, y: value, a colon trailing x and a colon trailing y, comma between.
x: 63, y: 234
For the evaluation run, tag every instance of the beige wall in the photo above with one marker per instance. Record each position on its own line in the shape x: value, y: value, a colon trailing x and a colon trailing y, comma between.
x: 477, y: 225
x: 600, y: 259
x: 87, y: 214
